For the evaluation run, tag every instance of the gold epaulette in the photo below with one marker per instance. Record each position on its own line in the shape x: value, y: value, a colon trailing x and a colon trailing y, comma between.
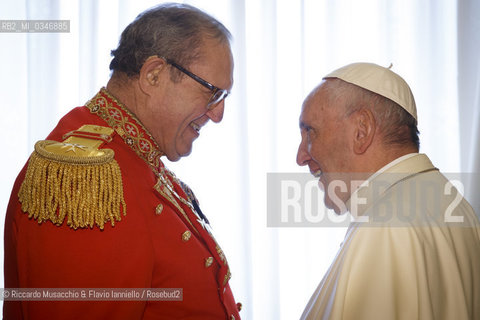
x: 74, y: 179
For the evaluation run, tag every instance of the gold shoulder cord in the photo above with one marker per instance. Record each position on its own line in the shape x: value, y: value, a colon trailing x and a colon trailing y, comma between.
x: 74, y: 179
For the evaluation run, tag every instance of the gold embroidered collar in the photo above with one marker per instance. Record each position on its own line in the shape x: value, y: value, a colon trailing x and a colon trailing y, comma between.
x: 127, y: 126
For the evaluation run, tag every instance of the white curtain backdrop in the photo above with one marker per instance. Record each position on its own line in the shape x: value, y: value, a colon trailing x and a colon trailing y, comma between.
x: 469, y: 94
x: 282, y: 48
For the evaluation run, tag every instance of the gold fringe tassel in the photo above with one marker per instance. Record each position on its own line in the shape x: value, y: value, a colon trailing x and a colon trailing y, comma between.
x: 87, y: 194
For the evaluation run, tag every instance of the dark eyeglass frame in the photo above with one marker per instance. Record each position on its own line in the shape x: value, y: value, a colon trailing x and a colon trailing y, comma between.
x: 217, y: 94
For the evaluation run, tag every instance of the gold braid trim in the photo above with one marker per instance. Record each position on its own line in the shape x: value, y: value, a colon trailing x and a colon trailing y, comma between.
x: 86, y: 189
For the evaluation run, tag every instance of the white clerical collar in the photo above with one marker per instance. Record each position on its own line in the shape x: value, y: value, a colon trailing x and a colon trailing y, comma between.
x: 383, y: 169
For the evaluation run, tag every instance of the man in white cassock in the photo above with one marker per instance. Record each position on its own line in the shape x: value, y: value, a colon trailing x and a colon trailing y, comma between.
x: 413, y: 248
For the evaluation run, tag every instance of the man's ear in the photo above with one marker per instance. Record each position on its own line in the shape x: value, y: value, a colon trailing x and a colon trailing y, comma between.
x: 151, y: 73
x: 365, y: 127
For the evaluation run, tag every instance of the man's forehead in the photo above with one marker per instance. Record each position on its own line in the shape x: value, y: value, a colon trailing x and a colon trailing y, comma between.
x: 314, y: 101
x: 216, y: 57
x: 317, y: 95
x: 309, y: 112
x: 316, y: 107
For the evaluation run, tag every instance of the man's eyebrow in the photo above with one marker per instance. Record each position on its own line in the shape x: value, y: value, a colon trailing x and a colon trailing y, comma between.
x: 303, y: 125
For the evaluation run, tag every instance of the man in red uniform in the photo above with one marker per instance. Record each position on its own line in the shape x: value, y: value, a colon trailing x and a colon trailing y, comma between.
x: 95, y: 207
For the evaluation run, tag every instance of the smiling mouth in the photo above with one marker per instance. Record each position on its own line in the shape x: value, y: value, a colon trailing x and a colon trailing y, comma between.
x: 317, y: 174
x: 195, y: 127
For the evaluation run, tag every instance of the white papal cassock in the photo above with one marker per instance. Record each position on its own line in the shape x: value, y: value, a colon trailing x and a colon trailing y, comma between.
x: 413, y: 259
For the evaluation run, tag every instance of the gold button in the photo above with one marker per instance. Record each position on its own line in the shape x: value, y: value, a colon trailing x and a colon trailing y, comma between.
x: 159, y: 209
x: 208, y: 262
x: 186, y: 236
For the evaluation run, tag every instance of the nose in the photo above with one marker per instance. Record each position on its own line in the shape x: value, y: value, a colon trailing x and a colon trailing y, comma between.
x: 216, y: 113
x: 303, y: 157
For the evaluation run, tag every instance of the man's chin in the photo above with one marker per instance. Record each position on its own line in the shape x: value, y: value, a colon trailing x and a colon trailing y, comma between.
x: 336, y: 191
x: 179, y: 153
x: 334, y: 199
x: 338, y: 206
x: 173, y: 158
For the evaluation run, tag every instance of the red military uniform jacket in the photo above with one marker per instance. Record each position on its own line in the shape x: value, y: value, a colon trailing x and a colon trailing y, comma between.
x: 110, y: 222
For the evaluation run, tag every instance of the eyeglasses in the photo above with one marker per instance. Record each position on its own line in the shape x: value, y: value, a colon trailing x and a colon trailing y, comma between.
x: 217, y: 94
